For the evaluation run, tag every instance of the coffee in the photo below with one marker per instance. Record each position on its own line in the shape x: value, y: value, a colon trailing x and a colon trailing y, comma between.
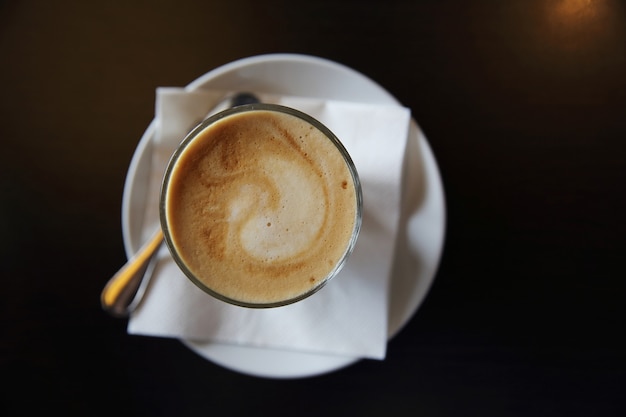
x: 260, y: 205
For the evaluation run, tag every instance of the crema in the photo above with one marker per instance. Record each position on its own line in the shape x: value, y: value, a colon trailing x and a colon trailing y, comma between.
x: 261, y: 206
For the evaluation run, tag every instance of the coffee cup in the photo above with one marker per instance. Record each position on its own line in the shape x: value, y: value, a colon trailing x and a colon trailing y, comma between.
x: 261, y: 205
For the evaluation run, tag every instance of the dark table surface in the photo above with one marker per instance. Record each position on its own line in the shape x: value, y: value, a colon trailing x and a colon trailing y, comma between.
x: 524, y: 106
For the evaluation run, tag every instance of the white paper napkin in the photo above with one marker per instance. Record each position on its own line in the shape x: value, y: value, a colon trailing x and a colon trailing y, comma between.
x: 346, y: 317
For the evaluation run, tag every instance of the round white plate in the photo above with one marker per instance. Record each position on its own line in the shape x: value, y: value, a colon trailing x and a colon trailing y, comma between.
x: 422, y: 219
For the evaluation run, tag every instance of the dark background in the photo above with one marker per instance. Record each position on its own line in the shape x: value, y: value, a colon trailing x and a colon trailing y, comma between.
x: 524, y: 105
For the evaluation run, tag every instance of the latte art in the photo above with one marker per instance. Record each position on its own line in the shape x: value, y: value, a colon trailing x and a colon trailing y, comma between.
x: 261, y: 207
x: 280, y: 225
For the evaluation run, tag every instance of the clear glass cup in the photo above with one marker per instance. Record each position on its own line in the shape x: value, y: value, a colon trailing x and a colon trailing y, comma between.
x: 261, y: 205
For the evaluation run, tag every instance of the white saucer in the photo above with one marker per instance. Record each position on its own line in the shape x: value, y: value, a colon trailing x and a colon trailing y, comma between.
x: 422, y: 222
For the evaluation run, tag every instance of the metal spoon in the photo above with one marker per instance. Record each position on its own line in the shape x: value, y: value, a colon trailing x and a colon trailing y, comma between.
x: 126, y: 288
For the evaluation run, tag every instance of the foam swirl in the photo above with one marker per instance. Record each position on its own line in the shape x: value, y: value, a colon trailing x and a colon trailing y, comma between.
x: 259, y: 208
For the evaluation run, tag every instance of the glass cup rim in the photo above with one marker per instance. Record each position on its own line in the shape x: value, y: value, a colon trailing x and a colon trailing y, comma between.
x: 188, y: 139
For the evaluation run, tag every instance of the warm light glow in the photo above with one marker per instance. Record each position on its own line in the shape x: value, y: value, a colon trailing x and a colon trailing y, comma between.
x: 579, y: 11
x: 574, y: 9
x: 580, y: 25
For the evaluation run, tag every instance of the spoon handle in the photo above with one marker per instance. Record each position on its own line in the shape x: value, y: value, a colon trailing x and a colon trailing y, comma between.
x: 124, y: 291
x: 118, y: 294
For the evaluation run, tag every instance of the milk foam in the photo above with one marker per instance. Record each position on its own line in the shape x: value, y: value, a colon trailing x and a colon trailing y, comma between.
x: 283, y: 229
x: 258, y: 207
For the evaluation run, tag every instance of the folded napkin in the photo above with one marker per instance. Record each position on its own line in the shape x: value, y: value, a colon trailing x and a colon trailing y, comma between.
x: 346, y: 317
